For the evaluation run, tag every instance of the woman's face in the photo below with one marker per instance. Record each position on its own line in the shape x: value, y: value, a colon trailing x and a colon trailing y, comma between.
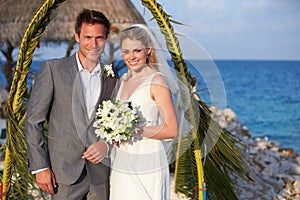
x: 134, y: 54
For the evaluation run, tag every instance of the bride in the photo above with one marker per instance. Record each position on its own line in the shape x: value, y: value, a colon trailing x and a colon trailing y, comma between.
x: 140, y: 166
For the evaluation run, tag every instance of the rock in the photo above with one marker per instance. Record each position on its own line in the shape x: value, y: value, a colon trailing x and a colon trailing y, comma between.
x: 289, y: 152
x: 247, y: 195
x: 296, y: 184
x: 245, y: 132
x: 229, y: 114
x: 272, y: 144
x: 295, y: 169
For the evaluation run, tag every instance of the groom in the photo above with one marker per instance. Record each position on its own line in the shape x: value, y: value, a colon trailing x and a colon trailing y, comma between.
x: 70, y: 162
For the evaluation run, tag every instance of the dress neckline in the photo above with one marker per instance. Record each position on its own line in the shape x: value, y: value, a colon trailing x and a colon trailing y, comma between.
x: 129, y: 96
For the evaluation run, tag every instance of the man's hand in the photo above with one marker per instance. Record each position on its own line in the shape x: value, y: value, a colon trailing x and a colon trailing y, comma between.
x: 46, y: 181
x: 96, y: 152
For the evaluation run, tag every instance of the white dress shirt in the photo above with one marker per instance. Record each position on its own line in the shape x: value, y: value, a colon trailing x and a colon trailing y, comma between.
x: 91, y: 84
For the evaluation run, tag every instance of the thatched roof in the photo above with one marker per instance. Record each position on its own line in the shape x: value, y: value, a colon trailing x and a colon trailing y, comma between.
x: 15, y: 16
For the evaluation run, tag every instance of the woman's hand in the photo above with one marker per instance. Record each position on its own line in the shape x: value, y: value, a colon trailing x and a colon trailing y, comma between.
x: 116, y: 144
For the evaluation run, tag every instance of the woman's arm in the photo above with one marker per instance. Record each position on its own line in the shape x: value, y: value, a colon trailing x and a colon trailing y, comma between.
x: 161, y: 94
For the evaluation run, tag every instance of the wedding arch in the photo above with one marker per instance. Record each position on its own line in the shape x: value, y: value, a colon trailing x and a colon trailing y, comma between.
x: 190, y: 173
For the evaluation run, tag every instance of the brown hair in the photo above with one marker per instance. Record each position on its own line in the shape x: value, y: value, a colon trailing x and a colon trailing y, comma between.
x: 91, y: 17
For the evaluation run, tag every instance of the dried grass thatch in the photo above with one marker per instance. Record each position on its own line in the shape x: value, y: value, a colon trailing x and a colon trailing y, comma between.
x: 15, y: 15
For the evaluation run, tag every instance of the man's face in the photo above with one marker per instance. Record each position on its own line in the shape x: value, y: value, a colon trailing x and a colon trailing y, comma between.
x: 91, y: 41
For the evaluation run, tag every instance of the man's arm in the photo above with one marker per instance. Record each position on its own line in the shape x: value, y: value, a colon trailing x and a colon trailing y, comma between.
x: 37, y: 112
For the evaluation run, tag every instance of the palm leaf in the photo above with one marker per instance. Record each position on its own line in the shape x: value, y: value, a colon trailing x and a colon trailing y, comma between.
x: 225, y: 156
x: 16, y: 179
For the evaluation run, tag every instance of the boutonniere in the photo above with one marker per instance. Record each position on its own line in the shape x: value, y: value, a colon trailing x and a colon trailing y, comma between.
x: 108, y: 71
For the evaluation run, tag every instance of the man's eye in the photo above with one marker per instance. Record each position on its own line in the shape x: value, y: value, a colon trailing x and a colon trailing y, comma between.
x: 101, y: 38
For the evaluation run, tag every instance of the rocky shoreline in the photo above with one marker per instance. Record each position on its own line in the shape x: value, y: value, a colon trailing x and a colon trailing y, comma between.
x: 275, y: 171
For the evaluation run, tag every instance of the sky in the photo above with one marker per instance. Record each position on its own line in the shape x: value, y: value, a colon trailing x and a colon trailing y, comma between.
x: 237, y: 29
x: 227, y: 29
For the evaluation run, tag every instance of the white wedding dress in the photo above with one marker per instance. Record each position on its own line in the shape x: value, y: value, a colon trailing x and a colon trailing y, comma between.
x: 139, y: 169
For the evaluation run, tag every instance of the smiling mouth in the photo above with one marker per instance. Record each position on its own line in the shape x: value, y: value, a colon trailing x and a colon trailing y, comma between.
x: 133, y: 62
x: 94, y: 51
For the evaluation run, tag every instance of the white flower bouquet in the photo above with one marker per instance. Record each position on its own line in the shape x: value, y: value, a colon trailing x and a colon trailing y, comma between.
x: 116, y: 120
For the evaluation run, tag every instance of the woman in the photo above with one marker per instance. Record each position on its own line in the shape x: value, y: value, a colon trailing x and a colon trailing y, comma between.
x: 140, y: 167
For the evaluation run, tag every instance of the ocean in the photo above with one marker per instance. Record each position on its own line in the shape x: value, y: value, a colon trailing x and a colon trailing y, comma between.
x: 265, y: 95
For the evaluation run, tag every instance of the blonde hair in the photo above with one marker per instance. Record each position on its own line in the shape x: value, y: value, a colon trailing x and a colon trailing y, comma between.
x: 138, y: 33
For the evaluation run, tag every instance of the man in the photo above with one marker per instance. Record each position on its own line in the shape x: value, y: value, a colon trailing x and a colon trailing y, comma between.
x: 71, y: 163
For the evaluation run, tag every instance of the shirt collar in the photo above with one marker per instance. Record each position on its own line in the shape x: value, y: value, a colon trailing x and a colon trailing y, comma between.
x: 80, y: 67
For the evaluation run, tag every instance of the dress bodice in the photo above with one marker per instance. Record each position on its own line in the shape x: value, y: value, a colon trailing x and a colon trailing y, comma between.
x: 141, y: 97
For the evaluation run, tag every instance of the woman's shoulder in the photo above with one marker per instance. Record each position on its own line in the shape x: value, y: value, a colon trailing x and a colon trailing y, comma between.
x: 158, y: 78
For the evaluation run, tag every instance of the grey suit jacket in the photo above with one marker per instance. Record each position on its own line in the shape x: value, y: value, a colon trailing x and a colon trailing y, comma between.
x: 57, y: 98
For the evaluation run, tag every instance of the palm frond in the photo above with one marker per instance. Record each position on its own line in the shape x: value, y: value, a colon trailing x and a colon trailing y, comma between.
x: 177, y: 22
x: 225, y: 156
x: 16, y: 179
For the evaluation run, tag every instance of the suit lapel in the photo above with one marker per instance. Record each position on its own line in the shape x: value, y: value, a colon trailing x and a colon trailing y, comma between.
x: 78, y: 104
x: 77, y: 88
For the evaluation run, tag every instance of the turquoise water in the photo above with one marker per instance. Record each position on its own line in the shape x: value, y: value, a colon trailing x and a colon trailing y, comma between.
x: 265, y: 95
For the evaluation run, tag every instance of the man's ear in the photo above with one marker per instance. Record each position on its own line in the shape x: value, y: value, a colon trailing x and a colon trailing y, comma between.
x: 77, y: 37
